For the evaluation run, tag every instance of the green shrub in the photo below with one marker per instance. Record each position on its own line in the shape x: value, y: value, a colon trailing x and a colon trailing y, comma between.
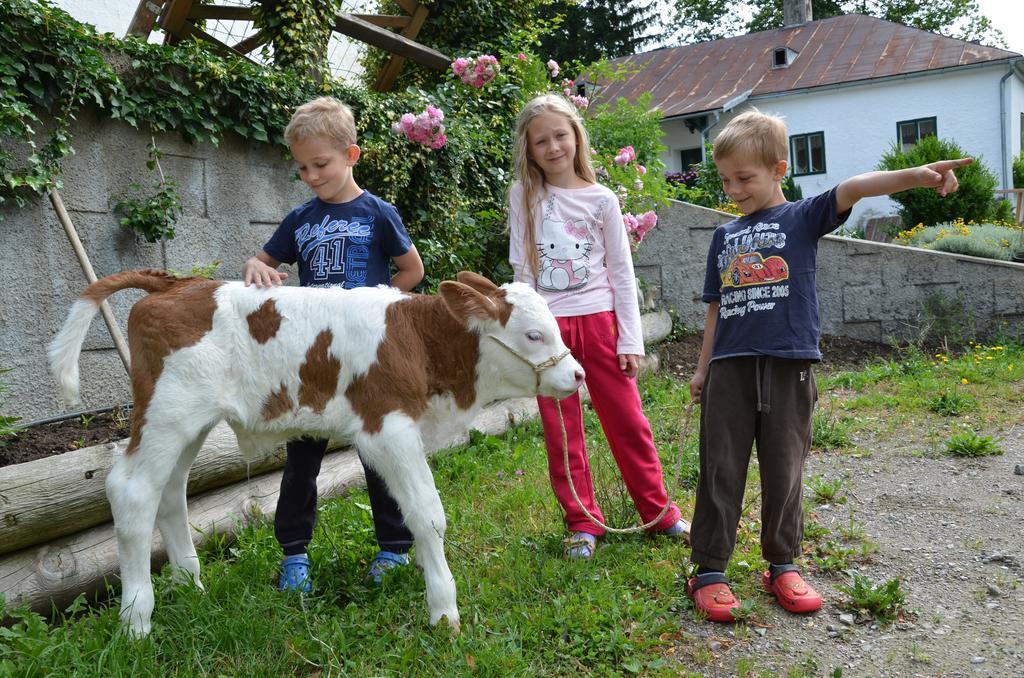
x: 973, y: 201
x: 709, y: 183
x: 1018, y: 170
x: 945, y: 321
x: 791, y: 189
x: 624, y: 123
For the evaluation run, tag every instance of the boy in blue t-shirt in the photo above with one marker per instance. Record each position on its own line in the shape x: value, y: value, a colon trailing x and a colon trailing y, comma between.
x: 754, y: 378
x: 343, y: 237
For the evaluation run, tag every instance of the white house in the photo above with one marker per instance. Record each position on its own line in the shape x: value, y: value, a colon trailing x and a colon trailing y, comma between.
x: 849, y: 87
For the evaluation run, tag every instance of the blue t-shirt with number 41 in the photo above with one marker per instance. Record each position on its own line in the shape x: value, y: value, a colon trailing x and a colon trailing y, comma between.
x: 348, y: 244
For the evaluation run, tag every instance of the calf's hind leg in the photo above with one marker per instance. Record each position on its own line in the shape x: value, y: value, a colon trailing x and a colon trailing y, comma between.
x: 396, y: 452
x: 134, y: 488
x: 172, y: 517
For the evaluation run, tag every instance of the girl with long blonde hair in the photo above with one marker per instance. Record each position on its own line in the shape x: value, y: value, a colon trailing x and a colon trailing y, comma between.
x: 568, y: 241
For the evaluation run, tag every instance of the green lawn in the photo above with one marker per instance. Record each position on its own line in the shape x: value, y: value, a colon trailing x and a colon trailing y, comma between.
x: 525, y: 610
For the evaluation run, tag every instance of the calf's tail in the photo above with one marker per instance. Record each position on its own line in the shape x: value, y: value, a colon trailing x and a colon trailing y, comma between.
x: 64, y: 350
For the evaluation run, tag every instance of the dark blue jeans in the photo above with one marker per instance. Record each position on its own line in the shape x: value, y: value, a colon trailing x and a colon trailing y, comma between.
x: 296, y: 506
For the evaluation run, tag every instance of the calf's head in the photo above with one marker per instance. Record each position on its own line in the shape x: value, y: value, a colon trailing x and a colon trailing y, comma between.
x: 521, y: 347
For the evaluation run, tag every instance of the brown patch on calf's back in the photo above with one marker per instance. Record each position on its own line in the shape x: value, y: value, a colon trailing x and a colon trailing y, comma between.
x: 425, y: 352
x: 318, y: 375
x: 158, y: 325
x: 264, y: 322
x: 277, y: 403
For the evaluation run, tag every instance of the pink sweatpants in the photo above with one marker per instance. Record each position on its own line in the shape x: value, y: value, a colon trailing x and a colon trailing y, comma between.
x: 592, y: 340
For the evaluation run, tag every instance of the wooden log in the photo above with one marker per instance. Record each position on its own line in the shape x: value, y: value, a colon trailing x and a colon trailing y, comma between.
x: 48, y: 498
x: 53, y: 574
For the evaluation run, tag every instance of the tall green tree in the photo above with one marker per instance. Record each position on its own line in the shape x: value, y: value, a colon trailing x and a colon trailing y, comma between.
x: 601, y: 29
x: 697, y: 20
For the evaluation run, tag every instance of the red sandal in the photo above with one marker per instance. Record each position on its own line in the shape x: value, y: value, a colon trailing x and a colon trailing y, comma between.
x: 789, y: 588
x: 713, y: 597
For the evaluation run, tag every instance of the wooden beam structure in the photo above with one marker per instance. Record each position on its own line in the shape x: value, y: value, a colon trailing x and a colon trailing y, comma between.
x: 145, y: 17
x: 183, y: 19
x: 388, y: 74
x: 396, y: 44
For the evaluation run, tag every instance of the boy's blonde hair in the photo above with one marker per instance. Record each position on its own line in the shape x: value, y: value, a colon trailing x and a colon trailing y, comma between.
x: 326, y: 118
x: 756, y: 136
x: 530, y: 175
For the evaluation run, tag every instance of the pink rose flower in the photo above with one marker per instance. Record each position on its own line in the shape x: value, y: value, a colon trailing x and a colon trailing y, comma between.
x: 625, y: 156
x: 477, y: 71
x: 425, y: 128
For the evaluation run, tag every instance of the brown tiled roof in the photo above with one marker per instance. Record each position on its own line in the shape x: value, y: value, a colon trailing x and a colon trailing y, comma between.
x: 852, y: 47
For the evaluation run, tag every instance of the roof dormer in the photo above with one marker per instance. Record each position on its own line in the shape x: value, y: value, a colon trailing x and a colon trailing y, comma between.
x: 782, y: 57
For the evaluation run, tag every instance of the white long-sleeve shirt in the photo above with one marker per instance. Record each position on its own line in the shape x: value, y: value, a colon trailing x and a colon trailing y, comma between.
x: 585, y: 262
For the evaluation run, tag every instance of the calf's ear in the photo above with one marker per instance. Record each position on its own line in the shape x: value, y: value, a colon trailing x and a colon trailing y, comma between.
x: 464, y: 302
x: 477, y: 282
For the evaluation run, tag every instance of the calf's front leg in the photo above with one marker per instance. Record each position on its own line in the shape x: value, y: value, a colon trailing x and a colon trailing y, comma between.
x: 396, y: 452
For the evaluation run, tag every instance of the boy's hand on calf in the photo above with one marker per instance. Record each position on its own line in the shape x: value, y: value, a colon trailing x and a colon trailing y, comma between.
x: 255, y: 271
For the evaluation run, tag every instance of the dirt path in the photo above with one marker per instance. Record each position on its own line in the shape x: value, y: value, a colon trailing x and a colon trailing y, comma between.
x: 952, y: 530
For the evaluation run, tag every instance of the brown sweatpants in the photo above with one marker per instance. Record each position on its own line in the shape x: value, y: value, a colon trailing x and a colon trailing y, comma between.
x: 745, y: 400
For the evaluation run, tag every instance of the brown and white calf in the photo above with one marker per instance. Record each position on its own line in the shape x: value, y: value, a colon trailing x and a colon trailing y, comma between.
x: 374, y: 366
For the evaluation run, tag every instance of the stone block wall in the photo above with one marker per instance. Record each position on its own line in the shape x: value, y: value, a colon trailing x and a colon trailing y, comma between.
x: 233, y: 195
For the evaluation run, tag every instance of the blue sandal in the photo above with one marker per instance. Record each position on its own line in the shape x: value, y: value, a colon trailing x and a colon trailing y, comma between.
x: 384, y: 561
x: 580, y: 546
x: 295, y: 574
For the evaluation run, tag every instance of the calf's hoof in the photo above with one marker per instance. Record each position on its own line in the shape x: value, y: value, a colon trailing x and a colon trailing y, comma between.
x: 136, y: 629
x: 454, y: 625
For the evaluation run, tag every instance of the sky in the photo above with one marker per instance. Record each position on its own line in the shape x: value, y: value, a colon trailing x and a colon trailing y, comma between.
x: 1008, y: 17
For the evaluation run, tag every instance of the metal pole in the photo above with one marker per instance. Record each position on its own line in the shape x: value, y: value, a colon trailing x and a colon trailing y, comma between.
x: 90, y: 275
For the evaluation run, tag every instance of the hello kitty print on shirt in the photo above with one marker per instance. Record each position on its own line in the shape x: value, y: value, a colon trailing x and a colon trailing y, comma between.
x: 564, y: 246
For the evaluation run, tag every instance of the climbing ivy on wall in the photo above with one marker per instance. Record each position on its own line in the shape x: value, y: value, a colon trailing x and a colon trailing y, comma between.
x: 53, y: 66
